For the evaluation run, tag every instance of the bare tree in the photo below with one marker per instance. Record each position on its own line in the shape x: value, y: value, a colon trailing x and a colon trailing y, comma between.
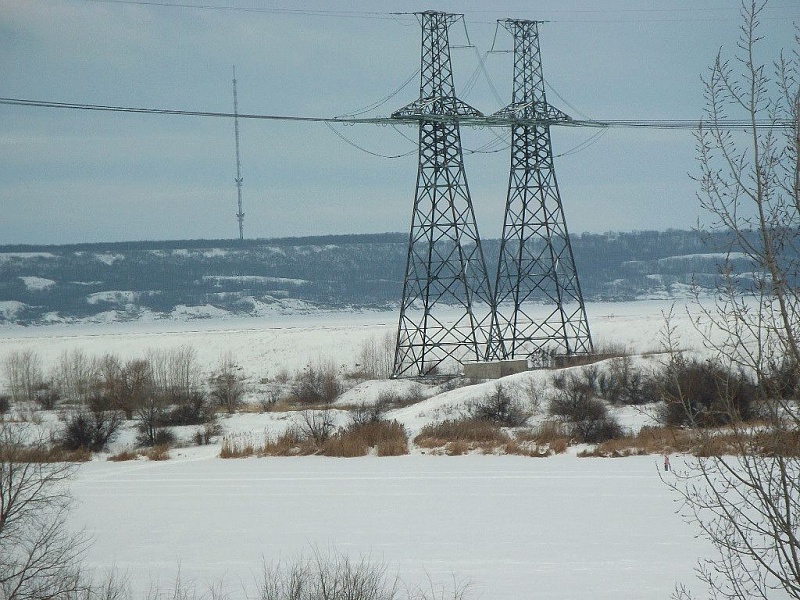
x: 745, y: 496
x: 23, y: 370
x: 227, y: 384
x: 376, y: 356
x: 39, y: 557
x: 75, y: 376
x: 175, y: 373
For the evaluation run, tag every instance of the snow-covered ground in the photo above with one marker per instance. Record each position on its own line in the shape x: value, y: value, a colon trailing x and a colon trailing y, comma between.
x: 264, y: 347
x: 511, y: 527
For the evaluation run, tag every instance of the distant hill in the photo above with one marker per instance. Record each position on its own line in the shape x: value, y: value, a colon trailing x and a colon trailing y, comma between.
x: 207, y: 278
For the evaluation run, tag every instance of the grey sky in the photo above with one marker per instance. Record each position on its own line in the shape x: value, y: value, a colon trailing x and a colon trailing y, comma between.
x: 68, y: 176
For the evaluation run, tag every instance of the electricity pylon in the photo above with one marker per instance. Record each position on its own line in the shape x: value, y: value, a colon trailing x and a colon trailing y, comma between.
x: 240, y: 214
x: 445, y: 314
x: 536, y: 265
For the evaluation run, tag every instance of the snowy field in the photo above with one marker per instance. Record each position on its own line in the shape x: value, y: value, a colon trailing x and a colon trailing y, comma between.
x: 509, y: 527
x: 269, y: 345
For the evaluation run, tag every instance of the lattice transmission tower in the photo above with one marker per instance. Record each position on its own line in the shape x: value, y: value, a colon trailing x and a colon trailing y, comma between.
x: 445, y: 314
x: 539, y: 306
x: 239, y: 180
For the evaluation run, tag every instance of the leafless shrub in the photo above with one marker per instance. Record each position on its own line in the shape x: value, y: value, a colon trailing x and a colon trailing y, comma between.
x: 500, y: 407
x: 46, y: 396
x: 390, y: 399
x: 376, y: 357
x: 704, y: 393
x: 364, y: 413
x: 194, y: 409
x: 326, y: 577
x: 624, y: 384
x: 204, y: 435
x: 317, y: 384
x: 227, y: 384
x: 317, y: 425
x: 587, y: 416
x: 126, y: 385
x: 92, y: 427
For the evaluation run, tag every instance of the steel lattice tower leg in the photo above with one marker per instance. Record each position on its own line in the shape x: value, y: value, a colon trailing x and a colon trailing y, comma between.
x: 536, y: 262
x: 445, y: 314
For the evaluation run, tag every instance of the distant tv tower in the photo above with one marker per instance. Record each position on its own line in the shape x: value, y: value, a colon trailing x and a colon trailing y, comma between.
x: 240, y: 214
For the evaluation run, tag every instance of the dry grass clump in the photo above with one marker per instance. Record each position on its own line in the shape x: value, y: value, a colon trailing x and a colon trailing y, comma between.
x: 700, y: 443
x: 649, y: 440
x: 160, y: 452
x: 548, y: 438
x: 235, y: 447
x: 124, y: 455
x: 39, y: 453
x: 780, y: 442
x: 461, y: 436
x: 388, y: 438
x: 292, y: 442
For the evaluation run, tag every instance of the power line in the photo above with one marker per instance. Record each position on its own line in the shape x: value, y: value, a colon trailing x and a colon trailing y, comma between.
x: 467, y: 121
x: 349, y: 14
x: 570, y: 15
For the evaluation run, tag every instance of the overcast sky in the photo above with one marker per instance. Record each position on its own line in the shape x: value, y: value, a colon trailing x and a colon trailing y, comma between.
x: 74, y: 176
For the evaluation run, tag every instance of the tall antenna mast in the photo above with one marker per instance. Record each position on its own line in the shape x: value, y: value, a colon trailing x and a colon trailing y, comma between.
x: 240, y: 214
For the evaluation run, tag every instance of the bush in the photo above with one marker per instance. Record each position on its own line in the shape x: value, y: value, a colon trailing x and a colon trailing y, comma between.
x: 46, y: 396
x: 227, y: 385
x: 333, y: 577
x: 85, y: 430
x: 159, y: 436
x: 704, y: 394
x: 364, y: 413
x: 622, y: 384
x: 393, y: 399
x: 501, y: 408
x: 317, y: 425
x: 92, y: 427
x: 317, y: 385
x: 782, y: 380
x: 202, y: 436
x: 5, y: 404
x: 192, y: 409
x: 588, y: 418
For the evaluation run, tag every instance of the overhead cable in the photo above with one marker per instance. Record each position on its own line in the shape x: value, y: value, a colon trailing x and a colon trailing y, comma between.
x: 463, y: 120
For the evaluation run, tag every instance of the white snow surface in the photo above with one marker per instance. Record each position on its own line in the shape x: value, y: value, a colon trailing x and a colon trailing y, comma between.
x: 10, y: 308
x: 37, y: 283
x: 512, y: 527
x: 108, y: 257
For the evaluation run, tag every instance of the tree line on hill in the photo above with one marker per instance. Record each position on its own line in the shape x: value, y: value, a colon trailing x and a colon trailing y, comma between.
x: 40, y: 283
